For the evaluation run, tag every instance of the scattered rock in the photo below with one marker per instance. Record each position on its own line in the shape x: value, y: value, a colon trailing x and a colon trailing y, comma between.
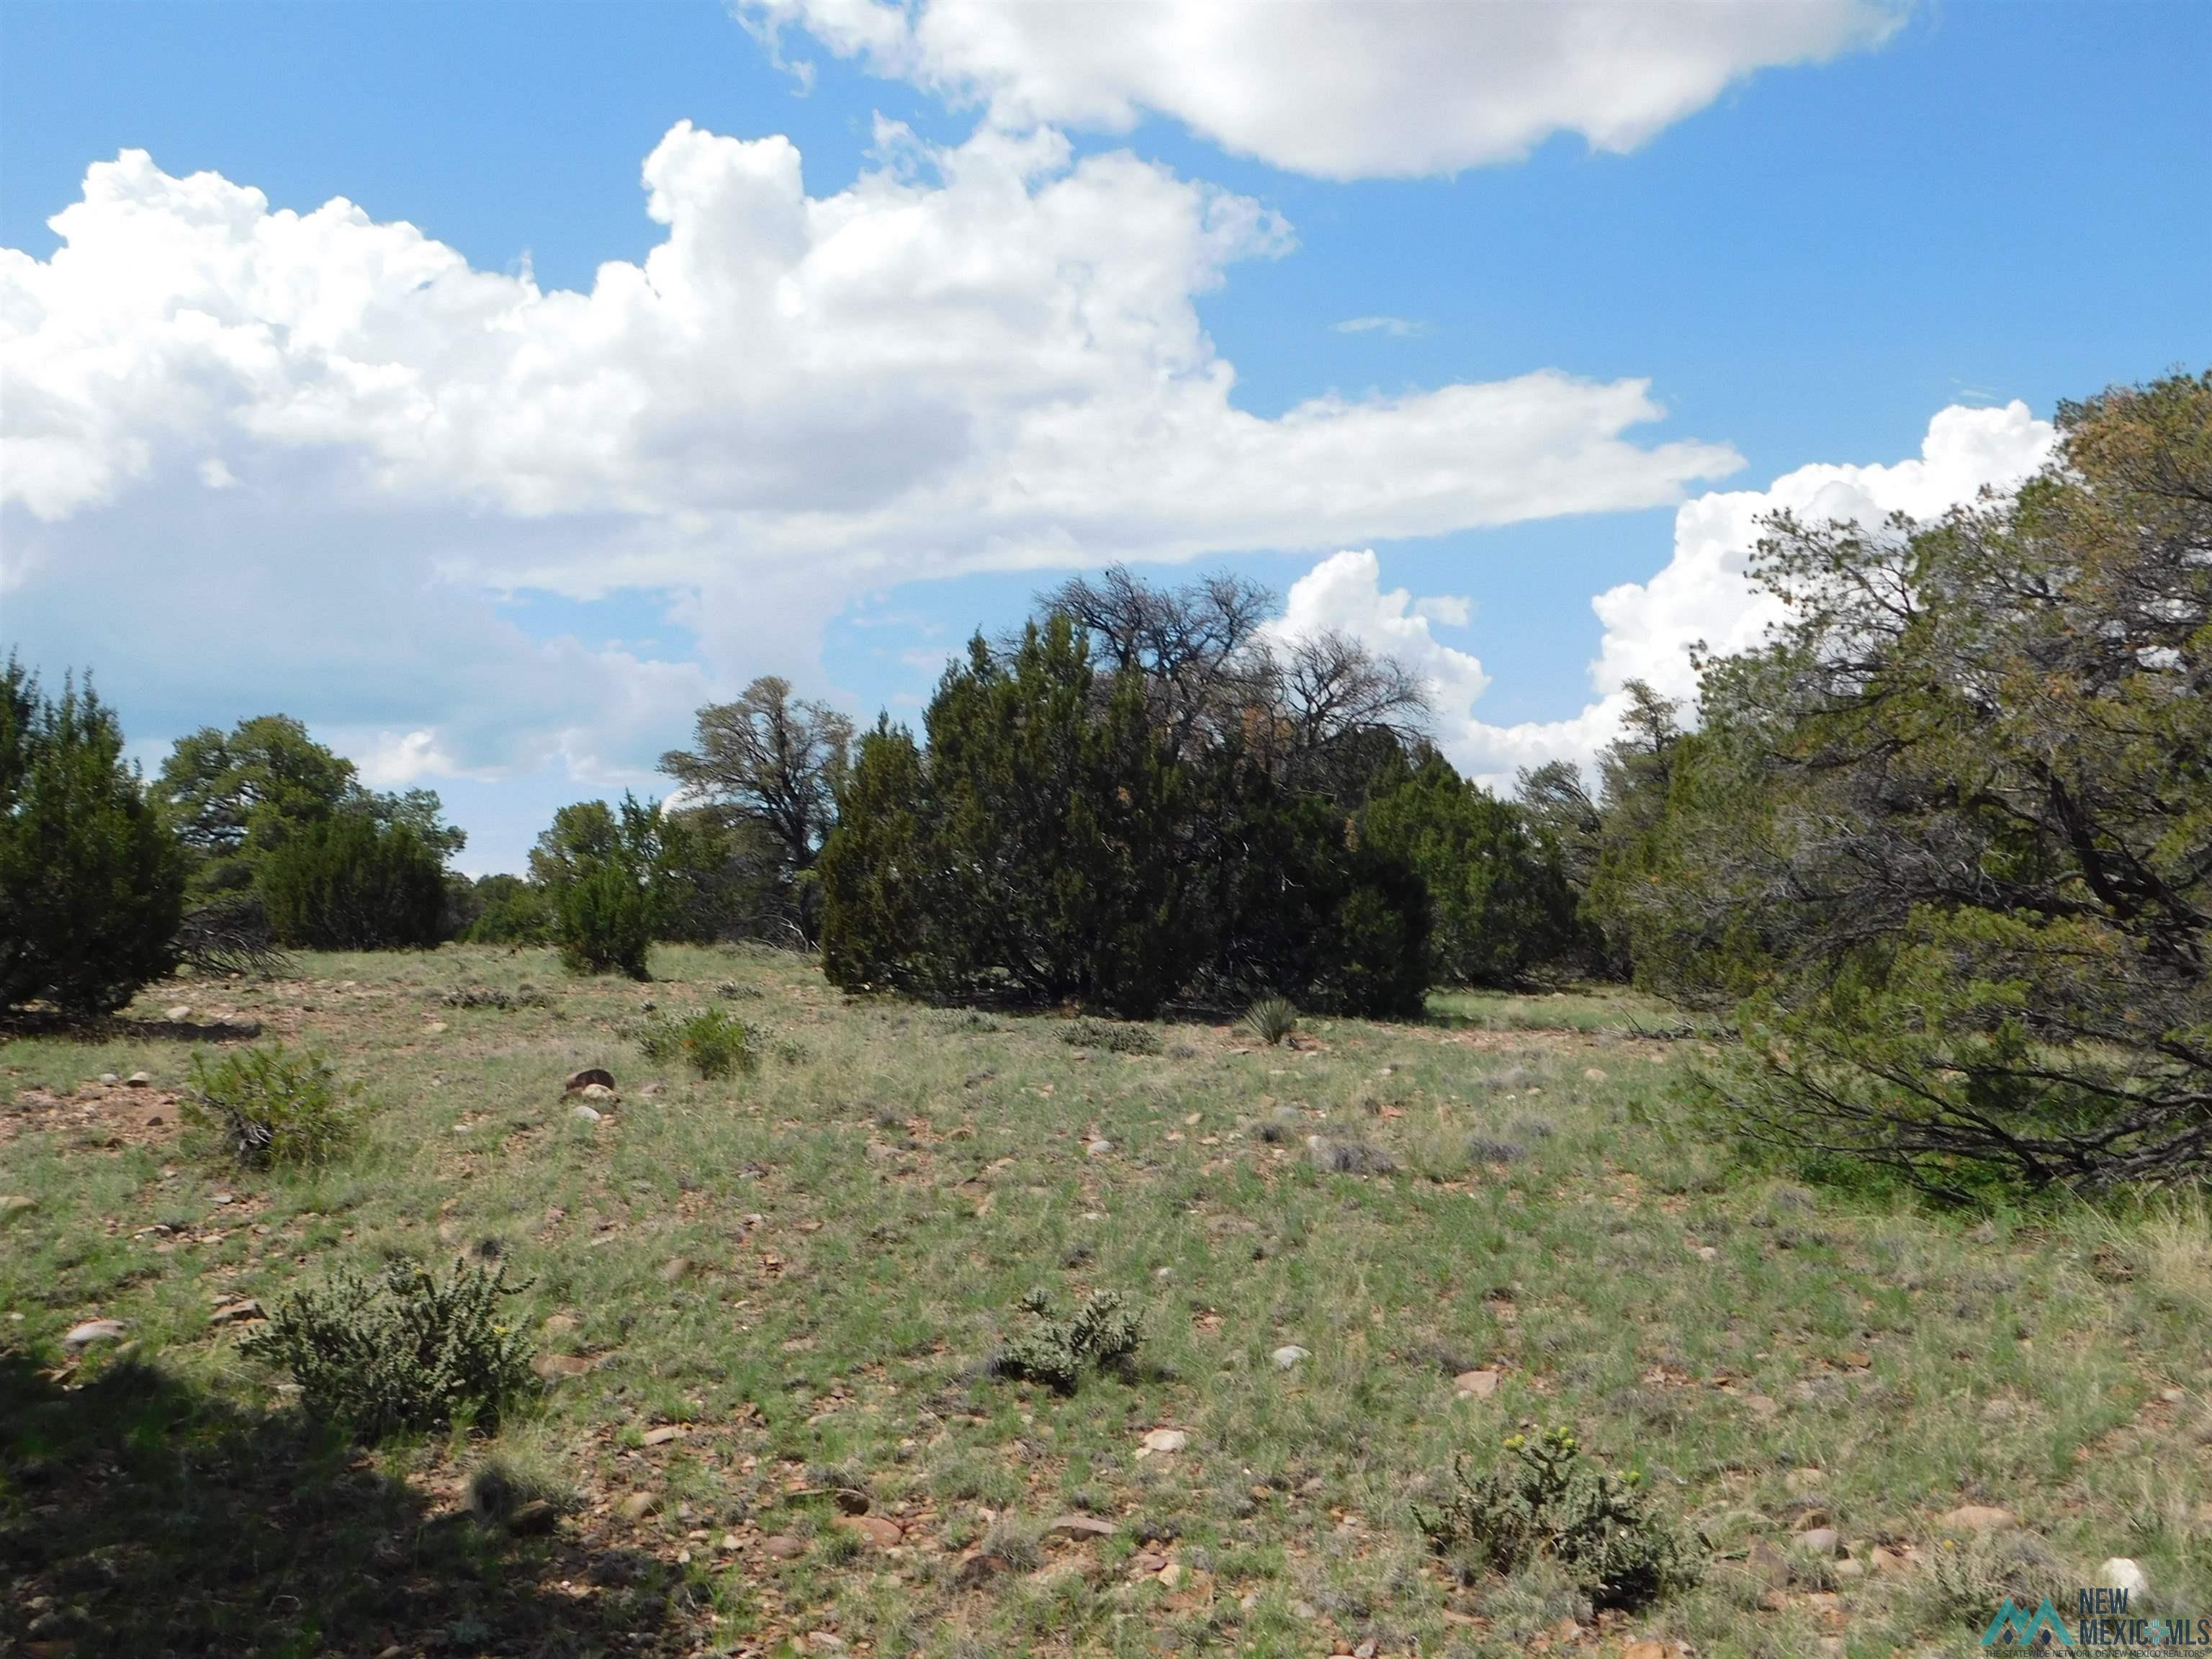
x: 534, y: 1517
x: 138, y: 1080
x: 980, y: 1570
x: 590, y: 1076
x: 875, y: 1529
x: 1081, y: 1527
x: 233, y: 1313
x: 637, y: 1506
x: 109, y: 1079
x: 663, y: 1434
x: 1823, y: 1541
x: 1477, y: 1385
x: 1099, y: 1148
x: 1166, y: 1440
x: 14, y: 1204
x: 1643, y: 1651
x: 1765, y: 1563
x: 1287, y: 1356
x: 585, y: 1114
x: 1848, y: 1571
x: 91, y: 1333
x: 2121, y: 1573
x: 824, y: 1641
x: 784, y: 1548
x: 1979, y: 1518
x: 182, y: 1011
x: 598, y: 1091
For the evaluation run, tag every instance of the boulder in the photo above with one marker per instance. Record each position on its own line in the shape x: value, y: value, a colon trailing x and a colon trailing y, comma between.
x: 2120, y: 1573
x: 1978, y: 1518
x: 91, y: 1334
x: 1080, y: 1528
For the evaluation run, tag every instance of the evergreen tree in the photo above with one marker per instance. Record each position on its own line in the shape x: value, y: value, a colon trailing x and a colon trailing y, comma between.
x: 1499, y: 900
x: 348, y: 883
x: 91, y: 884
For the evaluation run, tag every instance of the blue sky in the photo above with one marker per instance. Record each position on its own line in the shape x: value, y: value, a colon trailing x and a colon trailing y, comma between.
x: 1954, y: 208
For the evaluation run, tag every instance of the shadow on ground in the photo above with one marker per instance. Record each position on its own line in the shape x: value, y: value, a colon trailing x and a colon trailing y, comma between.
x: 141, y: 1519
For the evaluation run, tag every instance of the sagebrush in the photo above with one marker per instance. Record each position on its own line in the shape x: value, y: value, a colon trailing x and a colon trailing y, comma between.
x: 410, y: 1351
x: 270, y: 1107
x: 1544, y: 1499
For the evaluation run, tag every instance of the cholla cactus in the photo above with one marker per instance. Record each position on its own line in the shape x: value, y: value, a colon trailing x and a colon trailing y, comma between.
x: 411, y: 1352
x: 1104, y: 1333
x: 1545, y: 1498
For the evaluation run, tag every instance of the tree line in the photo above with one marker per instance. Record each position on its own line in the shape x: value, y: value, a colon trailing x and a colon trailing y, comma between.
x: 1939, y: 850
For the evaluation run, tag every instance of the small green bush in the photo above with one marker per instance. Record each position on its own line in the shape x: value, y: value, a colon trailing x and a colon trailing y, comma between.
x: 1119, y: 1036
x: 409, y: 1351
x: 708, y: 1040
x: 1104, y: 1333
x: 272, y: 1108
x: 1545, y: 1500
x: 1270, y: 1019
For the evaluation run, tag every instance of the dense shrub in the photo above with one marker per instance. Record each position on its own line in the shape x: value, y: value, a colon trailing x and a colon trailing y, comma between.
x: 1499, y: 895
x: 605, y: 874
x: 509, y: 910
x: 1103, y: 1334
x: 409, y: 1351
x: 270, y: 1107
x: 1545, y: 1499
x: 710, y: 1041
x: 1945, y: 841
x: 1040, y: 849
x: 1297, y: 904
x: 91, y: 885
x: 349, y: 882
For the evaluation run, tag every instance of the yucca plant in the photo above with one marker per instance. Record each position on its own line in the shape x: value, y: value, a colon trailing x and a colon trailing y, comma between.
x: 1270, y: 1019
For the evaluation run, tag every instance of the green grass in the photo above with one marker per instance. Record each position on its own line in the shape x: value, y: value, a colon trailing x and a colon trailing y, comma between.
x: 806, y: 1270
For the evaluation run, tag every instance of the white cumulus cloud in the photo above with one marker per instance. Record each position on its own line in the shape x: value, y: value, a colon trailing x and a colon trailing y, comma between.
x: 332, y: 443
x: 1703, y: 593
x: 1340, y: 88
